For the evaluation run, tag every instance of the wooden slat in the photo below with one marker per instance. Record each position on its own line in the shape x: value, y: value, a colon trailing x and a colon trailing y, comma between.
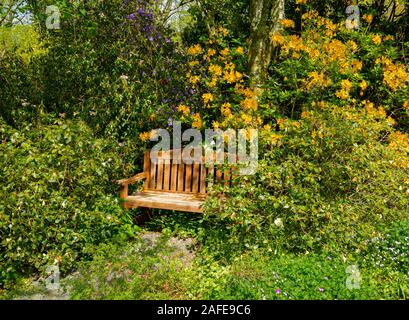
x: 166, y: 176
x: 195, y: 177
x: 219, y: 174
x: 203, y: 177
x: 181, y: 173
x: 152, y: 178
x: 146, y: 169
x: 166, y: 200
x: 159, y: 178
x: 188, y: 178
x: 174, y: 176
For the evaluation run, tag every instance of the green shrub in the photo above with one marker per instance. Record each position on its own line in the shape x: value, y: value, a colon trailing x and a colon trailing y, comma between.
x: 57, y: 196
x: 330, y: 181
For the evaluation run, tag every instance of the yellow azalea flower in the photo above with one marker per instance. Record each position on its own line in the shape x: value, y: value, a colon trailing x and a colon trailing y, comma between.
x: 406, y: 104
x: 226, y: 109
x: 207, y: 97
x: 225, y: 52
x: 211, y: 52
x: 232, y: 76
x: 223, y: 31
x: 304, y: 114
x: 215, y: 125
x: 363, y: 85
x: 197, y: 121
x: 377, y: 39
x: 395, y: 76
x: 368, y: 18
x: 249, y: 104
x: 194, y: 79
x: 287, y: 23
x: 342, y: 94
x: 352, y: 45
x: 144, y: 136
x: 239, y: 50
x: 346, y: 85
x: 215, y: 69
x: 357, y: 65
x: 194, y: 50
x: 301, y: 1
x: 317, y: 80
x: 184, y: 109
x: 247, y: 118
x: 388, y: 37
x: 278, y: 39
x: 275, y: 138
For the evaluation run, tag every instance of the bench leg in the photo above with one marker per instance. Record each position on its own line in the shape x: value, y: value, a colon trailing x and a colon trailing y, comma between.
x: 145, y: 216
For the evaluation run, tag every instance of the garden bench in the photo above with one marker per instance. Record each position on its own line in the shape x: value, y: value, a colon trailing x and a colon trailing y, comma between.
x: 172, y: 186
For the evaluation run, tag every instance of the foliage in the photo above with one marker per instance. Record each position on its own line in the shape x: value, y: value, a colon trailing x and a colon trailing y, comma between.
x: 327, y: 181
x: 131, y: 271
x: 340, y: 66
x: 56, y: 196
x: 141, y: 272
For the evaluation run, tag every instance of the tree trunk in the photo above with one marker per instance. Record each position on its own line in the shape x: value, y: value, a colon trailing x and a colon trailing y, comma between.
x: 264, y: 18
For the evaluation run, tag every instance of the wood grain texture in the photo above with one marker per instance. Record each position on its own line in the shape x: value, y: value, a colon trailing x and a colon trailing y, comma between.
x: 172, y: 186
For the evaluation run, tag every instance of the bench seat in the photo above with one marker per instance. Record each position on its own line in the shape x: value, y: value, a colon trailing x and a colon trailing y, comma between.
x: 167, y: 200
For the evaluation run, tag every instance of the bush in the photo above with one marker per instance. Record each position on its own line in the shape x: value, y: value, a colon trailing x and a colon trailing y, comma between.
x: 328, y: 181
x: 56, y: 196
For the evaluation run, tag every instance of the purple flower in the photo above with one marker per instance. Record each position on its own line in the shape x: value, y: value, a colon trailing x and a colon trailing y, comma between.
x: 278, y: 291
x: 168, y: 40
x: 131, y: 16
x: 170, y: 122
x: 321, y: 289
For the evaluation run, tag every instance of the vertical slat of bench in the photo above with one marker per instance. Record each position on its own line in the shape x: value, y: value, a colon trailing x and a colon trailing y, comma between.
x: 188, y: 178
x: 219, y: 174
x: 174, y: 176
x: 159, y: 179
x: 181, y: 178
x: 203, y: 177
x: 195, y: 177
x: 146, y: 169
x: 154, y: 168
x: 166, y: 176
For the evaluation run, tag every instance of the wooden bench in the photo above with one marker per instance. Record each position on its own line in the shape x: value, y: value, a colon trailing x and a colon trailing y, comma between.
x: 172, y: 186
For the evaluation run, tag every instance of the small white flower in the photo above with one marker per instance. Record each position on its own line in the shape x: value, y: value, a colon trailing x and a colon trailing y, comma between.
x: 278, y: 222
x: 124, y: 77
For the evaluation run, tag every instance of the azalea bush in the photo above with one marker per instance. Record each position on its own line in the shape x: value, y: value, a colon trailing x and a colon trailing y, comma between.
x: 338, y: 65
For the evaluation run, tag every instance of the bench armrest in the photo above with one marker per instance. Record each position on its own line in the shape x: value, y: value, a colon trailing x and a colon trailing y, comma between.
x: 135, y: 178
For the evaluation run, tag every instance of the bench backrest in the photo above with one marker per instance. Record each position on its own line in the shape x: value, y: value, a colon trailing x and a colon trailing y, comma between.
x: 165, y: 174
